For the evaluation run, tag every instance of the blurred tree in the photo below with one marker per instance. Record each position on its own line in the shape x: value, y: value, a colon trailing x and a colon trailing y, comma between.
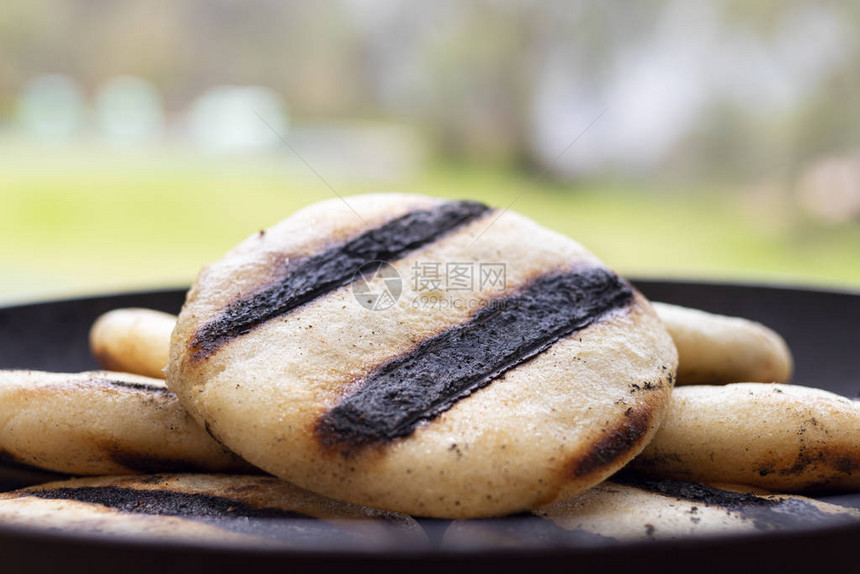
x: 701, y: 86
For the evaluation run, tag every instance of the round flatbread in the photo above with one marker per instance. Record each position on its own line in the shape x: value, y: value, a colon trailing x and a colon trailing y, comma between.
x: 423, y: 356
x: 232, y: 510
x: 133, y: 340
x: 101, y: 422
x: 720, y: 349
x: 633, y: 508
x: 786, y: 438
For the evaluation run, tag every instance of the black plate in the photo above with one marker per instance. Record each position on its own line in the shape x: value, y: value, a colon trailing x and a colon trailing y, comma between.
x: 822, y: 328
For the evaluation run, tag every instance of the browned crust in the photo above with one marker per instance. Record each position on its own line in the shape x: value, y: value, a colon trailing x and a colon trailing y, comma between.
x: 616, y: 442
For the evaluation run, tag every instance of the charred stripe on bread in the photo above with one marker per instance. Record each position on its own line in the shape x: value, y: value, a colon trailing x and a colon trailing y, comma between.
x: 142, y: 387
x: 314, y: 276
x: 161, y: 502
x: 394, y: 399
x: 225, y: 513
x: 765, y: 512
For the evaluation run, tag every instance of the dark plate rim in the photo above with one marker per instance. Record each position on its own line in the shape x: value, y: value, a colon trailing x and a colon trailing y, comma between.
x: 833, y: 533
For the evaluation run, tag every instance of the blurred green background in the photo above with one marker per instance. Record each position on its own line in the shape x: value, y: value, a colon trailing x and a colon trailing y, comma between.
x: 140, y: 140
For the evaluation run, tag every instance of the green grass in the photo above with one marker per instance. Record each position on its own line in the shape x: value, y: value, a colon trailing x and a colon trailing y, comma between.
x: 94, y: 221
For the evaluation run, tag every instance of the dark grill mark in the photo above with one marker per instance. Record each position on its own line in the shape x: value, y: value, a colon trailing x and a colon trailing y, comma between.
x: 765, y: 513
x: 314, y: 276
x: 224, y: 513
x: 429, y: 380
x: 846, y: 464
x: 157, y: 389
x: 162, y: 502
x: 819, y: 459
x: 615, y: 443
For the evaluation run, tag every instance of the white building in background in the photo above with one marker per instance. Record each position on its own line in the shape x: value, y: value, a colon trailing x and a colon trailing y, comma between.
x: 51, y: 108
x: 235, y: 119
x: 128, y: 111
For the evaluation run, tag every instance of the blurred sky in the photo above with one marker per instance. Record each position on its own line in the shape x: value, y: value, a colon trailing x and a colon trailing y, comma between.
x: 740, y: 113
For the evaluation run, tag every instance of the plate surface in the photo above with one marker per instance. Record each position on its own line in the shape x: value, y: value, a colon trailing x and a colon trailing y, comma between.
x: 821, y: 328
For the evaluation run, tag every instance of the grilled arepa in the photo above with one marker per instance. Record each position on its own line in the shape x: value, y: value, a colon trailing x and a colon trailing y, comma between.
x: 100, y: 422
x: 721, y: 349
x: 785, y: 438
x: 133, y: 340
x: 326, y: 351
